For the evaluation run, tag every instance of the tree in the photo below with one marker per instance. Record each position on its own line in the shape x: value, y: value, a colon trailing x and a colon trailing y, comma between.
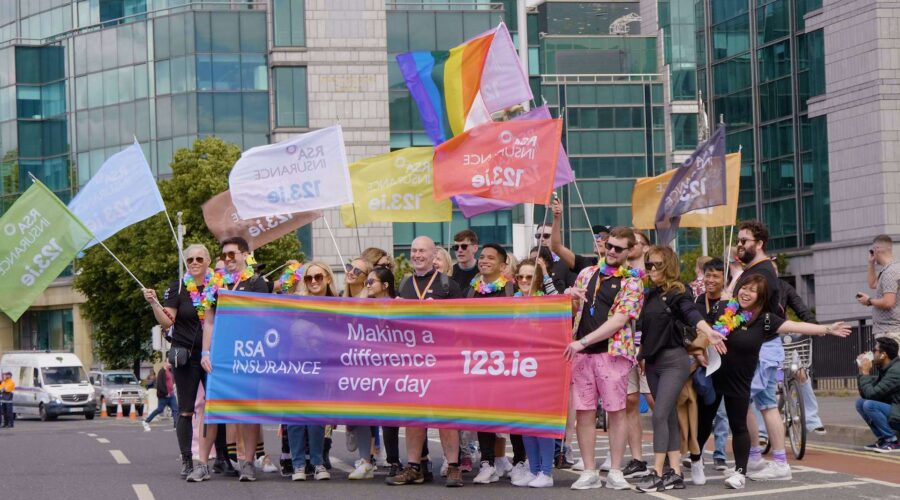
x: 121, y: 317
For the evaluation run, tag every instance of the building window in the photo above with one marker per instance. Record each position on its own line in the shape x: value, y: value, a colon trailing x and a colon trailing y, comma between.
x: 289, y: 19
x: 291, y: 107
x: 43, y: 330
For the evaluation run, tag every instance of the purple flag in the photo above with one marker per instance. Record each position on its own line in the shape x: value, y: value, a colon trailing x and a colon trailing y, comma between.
x: 471, y: 206
x: 698, y: 183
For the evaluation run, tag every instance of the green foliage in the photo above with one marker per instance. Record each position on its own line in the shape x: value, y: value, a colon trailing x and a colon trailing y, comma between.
x: 402, y: 268
x: 121, y: 317
x: 716, y: 237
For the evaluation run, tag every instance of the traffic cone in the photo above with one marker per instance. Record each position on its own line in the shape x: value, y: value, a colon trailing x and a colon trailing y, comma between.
x: 119, y: 410
x: 133, y: 415
x: 103, y: 412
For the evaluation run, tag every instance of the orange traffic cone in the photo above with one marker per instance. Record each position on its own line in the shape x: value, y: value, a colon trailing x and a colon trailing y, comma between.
x: 133, y: 415
x: 119, y: 410
x: 103, y: 412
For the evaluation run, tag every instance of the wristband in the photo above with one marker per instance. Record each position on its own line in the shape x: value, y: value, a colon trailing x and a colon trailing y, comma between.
x: 204, y: 353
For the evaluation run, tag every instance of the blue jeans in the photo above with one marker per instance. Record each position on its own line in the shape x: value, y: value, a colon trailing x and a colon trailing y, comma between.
x: 720, y: 430
x: 540, y: 454
x: 299, y: 436
x: 810, y: 404
x: 876, y: 415
x: 172, y: 403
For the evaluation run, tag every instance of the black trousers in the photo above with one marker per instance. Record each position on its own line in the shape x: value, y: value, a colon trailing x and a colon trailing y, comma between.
x: 6, y: 413
x: 736, y: 408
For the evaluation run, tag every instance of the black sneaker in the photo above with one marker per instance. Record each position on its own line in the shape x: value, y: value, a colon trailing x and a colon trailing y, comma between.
x: 635, y: 468
x: 218, y: 466
x: 287, y: 467
x: 672, y: 481
x: 720, y: 464
x: 427, y: 471
x: 394, y: 470
x: 562, y: 462
x: 650, y: 482
x: 187, y: 466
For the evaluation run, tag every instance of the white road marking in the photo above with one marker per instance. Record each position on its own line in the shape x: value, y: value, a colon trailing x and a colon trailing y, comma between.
x: 782, y: 490
x: 876, y: 481
x: 143, y: 492
x: 119, y: 457
x: 91, y: 434
x: 103, y: 440
x: 658, y: 494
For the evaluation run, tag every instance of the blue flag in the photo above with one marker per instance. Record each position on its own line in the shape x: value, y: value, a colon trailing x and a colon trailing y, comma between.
x: 123, y: 192
x: 699, y: 182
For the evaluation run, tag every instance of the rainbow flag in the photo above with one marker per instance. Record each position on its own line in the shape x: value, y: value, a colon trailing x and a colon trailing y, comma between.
x: 459, y: 88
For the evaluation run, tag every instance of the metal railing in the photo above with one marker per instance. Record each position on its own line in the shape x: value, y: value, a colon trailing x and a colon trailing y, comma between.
x: 427, y: 5
x: 835, y: 357
x: 600, y: 78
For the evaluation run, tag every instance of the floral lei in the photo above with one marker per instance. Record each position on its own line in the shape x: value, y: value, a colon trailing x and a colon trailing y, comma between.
x: 292, y: 275
x: 197, y: 297
x: 486, y: 288
x: 621, y: 271
x: 221, y: 278
x: 731, y: 319
x: 535, y: 294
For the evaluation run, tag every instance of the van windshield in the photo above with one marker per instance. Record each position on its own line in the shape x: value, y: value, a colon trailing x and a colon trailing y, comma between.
x: 64, y: 375
x: 121, y: 379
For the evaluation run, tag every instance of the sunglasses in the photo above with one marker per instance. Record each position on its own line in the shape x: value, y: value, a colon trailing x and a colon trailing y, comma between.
x: 227, y: 255
x: 198, y: 260
x: 353, y: 269
x: 370, y: 282
x: 309, y: 278
x: 524, y: 277
x: 610, y: 247
x: 599, y: 237
x: 383, y: 266
x: 744, y: 241
x: 654, y: 265
x: 460, y: 246
x: 545, y: 236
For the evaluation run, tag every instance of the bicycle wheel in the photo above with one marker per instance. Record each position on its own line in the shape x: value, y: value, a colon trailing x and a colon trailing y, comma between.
x: 795, y: 424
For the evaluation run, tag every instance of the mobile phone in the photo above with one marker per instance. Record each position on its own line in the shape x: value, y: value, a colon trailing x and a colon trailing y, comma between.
x: 871, y: 252
x: 859, y: 295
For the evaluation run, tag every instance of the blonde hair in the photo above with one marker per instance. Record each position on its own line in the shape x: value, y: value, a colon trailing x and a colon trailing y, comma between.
x: 372, y: 255
x: 448, y: 268
x: 202, y: 249
x: 330, y: 290
x: 670, y: 269
x: 367, y: 268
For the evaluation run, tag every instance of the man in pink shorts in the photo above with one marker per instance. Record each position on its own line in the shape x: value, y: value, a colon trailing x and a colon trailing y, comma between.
x: 608, y: 297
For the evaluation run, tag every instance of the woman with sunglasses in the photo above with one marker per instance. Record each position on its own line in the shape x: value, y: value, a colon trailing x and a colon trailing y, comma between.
x: 318, y: 281
x: 183, y: 308
x: 355, y: 279
x: 668, y: 311
x: 377, y: 257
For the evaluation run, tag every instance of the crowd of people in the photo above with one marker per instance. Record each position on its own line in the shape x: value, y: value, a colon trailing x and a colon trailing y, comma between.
x: 638, y: 331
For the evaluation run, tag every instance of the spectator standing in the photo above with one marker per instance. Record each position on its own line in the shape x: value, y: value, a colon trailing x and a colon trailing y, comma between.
x: 879, y: 403
x: 7, y: 386
x: 885, y: 314
x: 165, y: 394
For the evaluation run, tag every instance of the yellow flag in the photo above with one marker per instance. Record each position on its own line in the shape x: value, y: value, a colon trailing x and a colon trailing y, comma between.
x: 395, y: 187
x: 648, y: 192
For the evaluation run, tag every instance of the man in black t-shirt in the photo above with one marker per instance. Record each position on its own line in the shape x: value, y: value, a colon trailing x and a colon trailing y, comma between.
x: 562, y: 276
x: 465, y: 247
x: 426, y: 283
x: 234, y: 254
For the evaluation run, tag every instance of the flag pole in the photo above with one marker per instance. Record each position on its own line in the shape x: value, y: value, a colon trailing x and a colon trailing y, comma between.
x: 334, y: 240
x: 541, y: 244
x: 586, y: 218
x: 356, y: 227
x: 177, y: 239
x: 449, y: 232
x: 273, y: 271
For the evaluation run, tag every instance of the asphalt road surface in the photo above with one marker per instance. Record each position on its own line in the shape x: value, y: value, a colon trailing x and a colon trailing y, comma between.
x: 115, y: 459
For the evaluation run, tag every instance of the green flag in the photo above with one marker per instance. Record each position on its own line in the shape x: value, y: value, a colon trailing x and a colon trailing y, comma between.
x: 40, y: 238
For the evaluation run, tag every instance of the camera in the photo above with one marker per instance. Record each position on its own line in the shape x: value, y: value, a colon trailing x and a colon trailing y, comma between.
x: 870, y: 355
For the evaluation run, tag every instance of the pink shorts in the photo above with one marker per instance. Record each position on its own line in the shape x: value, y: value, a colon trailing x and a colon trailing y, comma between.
x: 600, y: 375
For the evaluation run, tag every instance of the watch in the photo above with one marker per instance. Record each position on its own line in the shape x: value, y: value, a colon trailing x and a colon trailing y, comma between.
x: 583, y: 341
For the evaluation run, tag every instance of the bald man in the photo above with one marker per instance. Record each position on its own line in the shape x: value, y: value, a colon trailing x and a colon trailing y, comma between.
x: 427, y: 284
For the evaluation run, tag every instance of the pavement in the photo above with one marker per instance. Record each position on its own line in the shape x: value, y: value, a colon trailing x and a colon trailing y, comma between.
x: 115, y: 459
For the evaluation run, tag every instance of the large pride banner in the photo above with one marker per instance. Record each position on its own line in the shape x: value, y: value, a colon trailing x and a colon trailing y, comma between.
x: 483, y: 364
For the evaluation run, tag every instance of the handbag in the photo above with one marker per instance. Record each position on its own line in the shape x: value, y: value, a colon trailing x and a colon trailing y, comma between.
x: 178, y: 356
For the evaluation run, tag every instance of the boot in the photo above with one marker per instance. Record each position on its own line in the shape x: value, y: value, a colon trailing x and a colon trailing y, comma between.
x: 187, y: 465
x: 325, y: 459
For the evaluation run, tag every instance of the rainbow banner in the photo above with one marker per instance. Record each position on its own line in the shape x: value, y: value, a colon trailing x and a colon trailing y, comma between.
x: 459, y: 88
x: 492, y: 365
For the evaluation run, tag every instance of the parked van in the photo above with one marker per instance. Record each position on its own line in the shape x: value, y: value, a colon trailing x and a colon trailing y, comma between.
x: 49, y: 384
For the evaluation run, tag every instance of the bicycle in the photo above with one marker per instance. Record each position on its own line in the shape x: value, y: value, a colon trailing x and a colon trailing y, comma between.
x: 797, y: 359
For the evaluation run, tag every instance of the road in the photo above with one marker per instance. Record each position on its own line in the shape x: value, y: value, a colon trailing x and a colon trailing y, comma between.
x: 115, y: 459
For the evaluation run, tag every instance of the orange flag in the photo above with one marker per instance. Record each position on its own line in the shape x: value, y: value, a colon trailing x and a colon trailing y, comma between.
x: 512, y: 161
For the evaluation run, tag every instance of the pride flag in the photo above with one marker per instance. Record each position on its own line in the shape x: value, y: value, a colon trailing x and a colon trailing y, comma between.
x: 459, y: 88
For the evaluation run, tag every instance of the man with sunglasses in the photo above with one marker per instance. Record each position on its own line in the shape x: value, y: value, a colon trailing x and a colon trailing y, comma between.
x: 235, y: 251
x: 562, y: 277
x: 426, y: 283
x: 885, y: 310
x: 465, y: 246
x: 608, y: 297
x: 575, y: 263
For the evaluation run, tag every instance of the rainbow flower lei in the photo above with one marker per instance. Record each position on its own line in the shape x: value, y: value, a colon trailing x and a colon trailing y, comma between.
x: 535, y: 294
x: 486, y: 288
x: 291, y: 275
x: 219, y: 279
x: 621, y: 271
x: 730, y: 320
x: 194, y: 290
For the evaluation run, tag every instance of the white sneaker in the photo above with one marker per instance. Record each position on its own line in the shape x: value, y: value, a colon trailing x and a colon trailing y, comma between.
x: 578, y: 465
x: 300, y: 475
x: 503, y: 465
x: 698, y: 475
x: 444, y: 468
x: 615, y: 480
x: 520, y: 469
x: 364, y: 470
x: 736, y: 481
x: 381, y: 458
x: 775, y: 471
x: 487, y: 474
x: 523, y: 478
x: 322, y: 473
x: 268, y: 466
x: 146, y: 426
x: 756, y: 465
x: 541, y: 481
x: 606, y: 465
x: 588, y: 480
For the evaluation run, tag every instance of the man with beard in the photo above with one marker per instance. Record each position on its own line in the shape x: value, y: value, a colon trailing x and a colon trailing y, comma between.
x: 751, y: 251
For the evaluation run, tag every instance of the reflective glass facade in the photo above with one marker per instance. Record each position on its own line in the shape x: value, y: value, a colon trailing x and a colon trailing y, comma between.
x: 759, y: 66
x: 45, y: 329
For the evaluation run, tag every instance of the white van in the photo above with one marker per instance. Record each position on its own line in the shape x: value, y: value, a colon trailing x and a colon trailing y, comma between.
x: 49, y: 384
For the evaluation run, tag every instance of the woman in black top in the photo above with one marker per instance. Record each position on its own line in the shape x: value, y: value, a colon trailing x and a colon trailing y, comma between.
x: 668, y: 308
x: 181, y: 307
x: 739, y: 347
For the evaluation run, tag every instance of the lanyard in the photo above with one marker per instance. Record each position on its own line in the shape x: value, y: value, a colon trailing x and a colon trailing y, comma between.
x: 421, y: 294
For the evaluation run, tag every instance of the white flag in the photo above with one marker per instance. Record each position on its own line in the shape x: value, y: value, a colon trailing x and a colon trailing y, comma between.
x: 123, y: 192
x: 307, y: 172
